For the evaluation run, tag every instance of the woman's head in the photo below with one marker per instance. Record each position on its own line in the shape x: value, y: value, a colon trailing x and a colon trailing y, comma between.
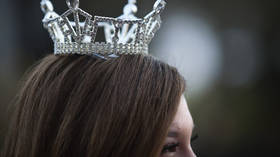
x: 85, y: 106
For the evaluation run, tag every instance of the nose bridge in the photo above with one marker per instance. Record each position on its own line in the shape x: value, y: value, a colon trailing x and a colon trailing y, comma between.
x: 192, y: 154
x: 188, y: 152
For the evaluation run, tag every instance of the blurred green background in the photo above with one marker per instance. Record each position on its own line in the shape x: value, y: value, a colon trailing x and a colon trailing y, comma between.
x: 228, y: 52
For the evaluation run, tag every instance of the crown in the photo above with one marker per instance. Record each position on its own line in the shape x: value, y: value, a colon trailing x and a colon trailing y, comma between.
x: 125, y: 34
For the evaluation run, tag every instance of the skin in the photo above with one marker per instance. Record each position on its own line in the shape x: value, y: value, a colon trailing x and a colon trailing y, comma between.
x: 180, y: 132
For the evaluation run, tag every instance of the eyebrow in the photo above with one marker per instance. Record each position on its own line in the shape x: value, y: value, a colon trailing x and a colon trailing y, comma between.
x: 176, y: 134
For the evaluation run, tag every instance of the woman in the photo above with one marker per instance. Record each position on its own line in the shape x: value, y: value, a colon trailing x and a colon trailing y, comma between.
x: 101, y: 99
x: 76, y: 105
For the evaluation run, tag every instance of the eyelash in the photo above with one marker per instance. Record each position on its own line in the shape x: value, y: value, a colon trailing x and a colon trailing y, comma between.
x: 170, y: 147
x: 195, y: 137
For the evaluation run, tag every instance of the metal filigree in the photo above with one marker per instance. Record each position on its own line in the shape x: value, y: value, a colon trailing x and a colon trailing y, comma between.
x: 74, y: 32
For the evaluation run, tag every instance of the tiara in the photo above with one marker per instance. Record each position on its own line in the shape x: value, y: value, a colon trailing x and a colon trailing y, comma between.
x: 125, y: 34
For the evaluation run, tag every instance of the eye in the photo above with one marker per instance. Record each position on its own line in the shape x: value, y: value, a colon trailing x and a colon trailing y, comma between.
x: 170, y: 148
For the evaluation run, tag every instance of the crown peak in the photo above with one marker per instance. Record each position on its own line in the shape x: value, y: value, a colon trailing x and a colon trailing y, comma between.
x: 73, y: 4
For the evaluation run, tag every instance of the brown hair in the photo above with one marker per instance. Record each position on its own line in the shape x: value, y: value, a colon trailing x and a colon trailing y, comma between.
x: 76, y: 105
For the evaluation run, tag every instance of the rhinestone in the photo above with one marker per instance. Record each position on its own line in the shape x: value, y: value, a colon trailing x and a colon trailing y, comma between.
x: 133, y: 41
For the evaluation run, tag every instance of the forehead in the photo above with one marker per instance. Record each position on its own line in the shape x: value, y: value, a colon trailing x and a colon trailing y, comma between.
x: 183, y: 119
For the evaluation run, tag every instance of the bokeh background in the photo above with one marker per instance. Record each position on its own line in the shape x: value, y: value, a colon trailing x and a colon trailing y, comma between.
x: 228, y: 51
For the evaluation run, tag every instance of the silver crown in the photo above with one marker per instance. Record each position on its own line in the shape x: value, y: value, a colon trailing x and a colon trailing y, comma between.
x: 125, y: 34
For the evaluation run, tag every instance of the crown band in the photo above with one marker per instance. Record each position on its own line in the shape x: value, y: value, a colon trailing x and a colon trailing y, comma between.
x: 99, y: 48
